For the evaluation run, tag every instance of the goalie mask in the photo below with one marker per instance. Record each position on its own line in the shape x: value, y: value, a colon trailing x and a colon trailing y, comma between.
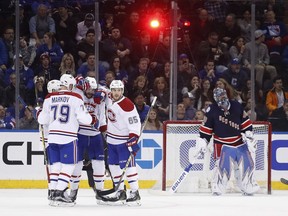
x: 221, y: 98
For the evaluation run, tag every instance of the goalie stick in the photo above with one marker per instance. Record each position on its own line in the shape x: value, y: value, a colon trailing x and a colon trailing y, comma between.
x: 42, y: 137
x: 115, y: 188
x: 284, y: 181
x: 184, y: 174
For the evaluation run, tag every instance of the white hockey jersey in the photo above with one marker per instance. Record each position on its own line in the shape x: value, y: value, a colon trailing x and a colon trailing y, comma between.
x: 123, y: 121
x: 63, y: 111
x: 99, y: 110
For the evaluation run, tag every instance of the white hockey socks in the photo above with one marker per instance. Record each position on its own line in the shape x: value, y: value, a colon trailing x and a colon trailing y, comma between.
x: 64, y: 176
x: 98, y: 173
x: 76, y: 176
x: 132, y: 178
x: 116, y: 172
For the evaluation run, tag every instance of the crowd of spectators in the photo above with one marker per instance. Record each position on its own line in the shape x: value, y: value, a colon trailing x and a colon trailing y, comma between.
x: 214, y: 49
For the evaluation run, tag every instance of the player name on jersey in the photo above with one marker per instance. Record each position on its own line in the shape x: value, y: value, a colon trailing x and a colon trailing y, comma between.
x: 60, y: 99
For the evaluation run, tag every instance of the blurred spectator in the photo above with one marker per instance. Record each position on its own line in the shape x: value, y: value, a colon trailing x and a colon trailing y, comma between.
x: 162, y: 51
x: 87, y: 45
x: 279, y: 118
x: 244, y: 23
x: 199, y: 115
x: 275, y: 33
x: 119, y: 9
x: 193, y: 86
x: 180, y: 112
x: 201, y: 27
x: 28, y: 52
x: 153, y: 122
x: 107, y: 25
x: 205, y: 94
x: 66, y: 29
x: 7, y: 49
x: 67, y: 65
x: 212, y: 48
x: 26, y: 76
x: 28, y: 121
x: 140, y: 84
x: 6, y: 122
x: 246, y: 93
x: 142, y: 108
x: 109, y: 77
x: 40, y: 24
x: 118, y: 45
x: 40, y: 89
x: 51, y: 47
x: 230, y: 30
x: 85, y: 25
x: 141, y: 69
x: 89, y: 65
x: 209, y: 72
x: 132, y: 26
x: 235, y: 75
x: 262, y: 59
x: 9, y: 92
x: 189, y: 103
x: 237, y: 49
x: 217, y: 10
x: 142, y: 48
x: 120, y: 72
x: 276, y: 96
x: 47, y: 70
x: 161, y: 91
x: 206, y: 104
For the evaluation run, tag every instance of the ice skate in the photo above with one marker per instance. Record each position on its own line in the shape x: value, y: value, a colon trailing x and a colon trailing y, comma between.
x: 59, y: 199
x: 119, y: 198
x: 134, y: 198
x: 73, y: 195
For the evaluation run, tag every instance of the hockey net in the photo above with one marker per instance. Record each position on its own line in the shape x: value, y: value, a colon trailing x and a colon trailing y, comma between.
x: 179, y: 140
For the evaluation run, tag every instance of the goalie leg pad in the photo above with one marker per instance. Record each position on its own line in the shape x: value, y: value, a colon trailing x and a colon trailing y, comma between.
x: 219, y: 182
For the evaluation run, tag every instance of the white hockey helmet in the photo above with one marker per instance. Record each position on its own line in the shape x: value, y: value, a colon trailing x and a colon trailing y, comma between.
x: 117, y: 84
x: 53, y: 85
x: 68, y: 80
x: 92, y: 82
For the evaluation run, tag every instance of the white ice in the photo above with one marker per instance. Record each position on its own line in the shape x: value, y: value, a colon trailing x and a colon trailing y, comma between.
x: 32, y: 202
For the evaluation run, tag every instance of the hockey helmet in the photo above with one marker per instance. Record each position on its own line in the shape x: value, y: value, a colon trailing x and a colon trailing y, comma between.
x: 53, y: 85
x: 68, y: 80
x: 117, y: 84
x: 92, y: 82
x: 221, y: 98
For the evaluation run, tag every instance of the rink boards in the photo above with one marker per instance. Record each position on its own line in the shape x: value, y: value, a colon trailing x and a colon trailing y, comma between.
x: 22, y: 161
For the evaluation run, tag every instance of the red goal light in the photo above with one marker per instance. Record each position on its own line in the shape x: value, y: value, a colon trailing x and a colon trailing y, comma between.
x: 186, y: 23
x: 154, y: 23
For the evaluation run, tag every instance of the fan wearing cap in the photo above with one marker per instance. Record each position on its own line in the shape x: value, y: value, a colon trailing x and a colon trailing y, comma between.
x: 87, y: 23
x: 262, y: 58
x: 235, y: 75
x: 189, y: 101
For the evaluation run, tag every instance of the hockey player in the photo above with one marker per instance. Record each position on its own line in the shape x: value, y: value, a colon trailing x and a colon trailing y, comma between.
x: 62, y: 112
x: 227, y: 122
x: 123, y: 131
x: 90, y: 140
x: 52, y: 86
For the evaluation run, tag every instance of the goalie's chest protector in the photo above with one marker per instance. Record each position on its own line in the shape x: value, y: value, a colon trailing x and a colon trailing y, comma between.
x: 225, y: 124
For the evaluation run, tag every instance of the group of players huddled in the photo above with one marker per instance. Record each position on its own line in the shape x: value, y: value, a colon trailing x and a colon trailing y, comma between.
x: 75, y: 115
x: 77, y: 112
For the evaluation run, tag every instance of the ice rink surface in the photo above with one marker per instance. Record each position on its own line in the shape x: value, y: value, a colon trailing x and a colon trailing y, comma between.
x: 32, y: 202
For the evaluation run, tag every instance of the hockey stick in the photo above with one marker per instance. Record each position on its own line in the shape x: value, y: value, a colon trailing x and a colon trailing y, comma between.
x: 284, y: 181
x: 184, y: 174
x: 42, y: 137
x: 115, y: 188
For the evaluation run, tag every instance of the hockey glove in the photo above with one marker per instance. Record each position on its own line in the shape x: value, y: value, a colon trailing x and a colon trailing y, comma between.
x: 99, y: 96
x: 132, y: 145
x: 103, y: 128
x: 36, y: 111
x: 201, y: 146
x: 81, y: 83
x: 248, y: 137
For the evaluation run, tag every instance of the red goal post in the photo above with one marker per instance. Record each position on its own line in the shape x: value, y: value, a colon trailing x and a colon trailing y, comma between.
x: 179, y: 140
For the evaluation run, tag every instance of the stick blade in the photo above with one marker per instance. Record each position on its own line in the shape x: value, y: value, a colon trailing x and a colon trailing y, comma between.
x: 284, y: 181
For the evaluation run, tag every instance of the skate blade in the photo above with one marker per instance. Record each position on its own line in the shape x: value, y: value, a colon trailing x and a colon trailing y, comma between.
x: 134, y: 203
x: 62, y: 204
x: 117, y: 203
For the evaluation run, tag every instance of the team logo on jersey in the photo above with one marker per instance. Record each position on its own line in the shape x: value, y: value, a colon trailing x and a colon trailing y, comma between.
x: 111, y: 115
x: 90, y: 107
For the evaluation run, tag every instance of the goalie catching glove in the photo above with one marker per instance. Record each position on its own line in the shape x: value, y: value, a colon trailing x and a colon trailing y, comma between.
x: 132, y: 144
x: 201, y: 146
x: 248, y: 137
